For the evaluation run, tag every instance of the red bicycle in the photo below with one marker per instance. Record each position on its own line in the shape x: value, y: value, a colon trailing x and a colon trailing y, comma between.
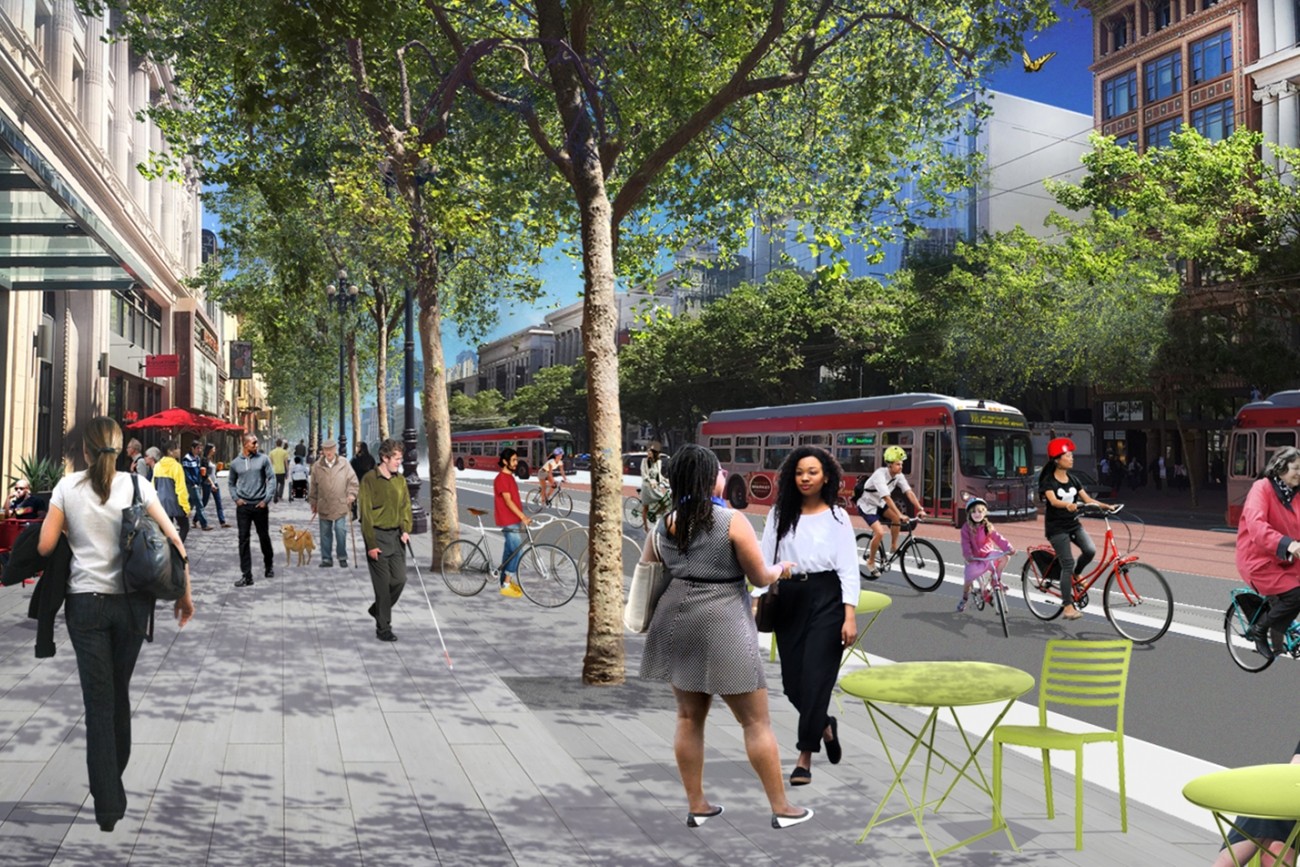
x: 1135, y: 597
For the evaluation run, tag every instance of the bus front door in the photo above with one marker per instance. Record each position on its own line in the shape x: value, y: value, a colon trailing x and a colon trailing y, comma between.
x: 936, y: 474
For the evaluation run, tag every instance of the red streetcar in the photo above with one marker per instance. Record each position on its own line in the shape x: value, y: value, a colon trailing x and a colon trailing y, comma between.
x: 956, y: 448
x: 479, y: 449
x: 1260, y: 429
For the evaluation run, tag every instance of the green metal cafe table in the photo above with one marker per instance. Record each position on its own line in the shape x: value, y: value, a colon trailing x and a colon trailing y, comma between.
x: 936, y: 685
x: 1258, y: 791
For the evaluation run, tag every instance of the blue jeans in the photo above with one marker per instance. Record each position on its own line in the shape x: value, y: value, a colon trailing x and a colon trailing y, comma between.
x: 106, y: 633
x: 514, y: 536
x: 196, y: 503
x: 338, y: 528
x: 214, y: 491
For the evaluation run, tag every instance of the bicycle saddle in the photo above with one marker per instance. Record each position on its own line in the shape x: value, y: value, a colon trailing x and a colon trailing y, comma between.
x: 478, y: 513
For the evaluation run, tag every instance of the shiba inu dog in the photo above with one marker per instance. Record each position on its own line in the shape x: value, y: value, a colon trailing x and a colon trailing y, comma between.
x: 299, y: 541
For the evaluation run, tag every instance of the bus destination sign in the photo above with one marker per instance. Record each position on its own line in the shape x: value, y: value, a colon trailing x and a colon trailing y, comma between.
x: 857, y: 439
x: 990, y: 419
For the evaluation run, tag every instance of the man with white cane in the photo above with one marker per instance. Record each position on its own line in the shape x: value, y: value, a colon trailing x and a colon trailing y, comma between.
x: 385, y: 506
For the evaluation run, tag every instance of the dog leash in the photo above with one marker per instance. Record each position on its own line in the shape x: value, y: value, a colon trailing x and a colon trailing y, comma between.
x: 429, y: 601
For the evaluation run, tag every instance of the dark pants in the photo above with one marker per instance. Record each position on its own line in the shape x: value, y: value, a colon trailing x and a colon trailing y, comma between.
x: 182, y: 523
x: 214, y: 491
x: 106, y: 633
x: 387, y: 575
x: 1065, y: 557
x: 279, y: 484
x: 245, y: 516
x: 808, y: 621
x: 1282, y: 609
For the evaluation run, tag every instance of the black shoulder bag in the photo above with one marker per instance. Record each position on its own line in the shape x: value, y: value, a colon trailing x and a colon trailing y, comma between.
x: 146, y: 554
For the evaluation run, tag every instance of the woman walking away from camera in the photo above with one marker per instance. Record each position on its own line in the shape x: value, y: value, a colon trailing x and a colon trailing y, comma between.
x: 816, y: 612
x: 702, y: 638
x: 1064, y: 492
x: 1268, y: 542
x: 106, y: 624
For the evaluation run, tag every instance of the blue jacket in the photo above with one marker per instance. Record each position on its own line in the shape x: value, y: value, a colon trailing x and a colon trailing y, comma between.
x: 191, y: 464
x: 251, y: 478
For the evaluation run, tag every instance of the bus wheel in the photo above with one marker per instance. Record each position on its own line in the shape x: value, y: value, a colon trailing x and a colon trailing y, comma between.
x: 736, y: 493
x: 460, y: 463
x: 522, y: 470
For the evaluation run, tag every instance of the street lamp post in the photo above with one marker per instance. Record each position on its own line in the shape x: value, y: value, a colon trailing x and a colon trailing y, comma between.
x: 410, y: 444
x: 344, y: 294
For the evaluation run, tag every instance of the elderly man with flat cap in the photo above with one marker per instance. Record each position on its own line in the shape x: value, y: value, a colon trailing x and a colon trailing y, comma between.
x: 331, y: 493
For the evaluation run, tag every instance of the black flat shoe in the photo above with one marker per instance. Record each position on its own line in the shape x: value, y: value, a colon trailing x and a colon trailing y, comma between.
x: 800, y: 777
x: 386, y: 635
x: 833, y: 750
x: 246, y: 581
x: 107, y: 825
x: 779, y: 821
x: 695, y: 820
x: 269, y: 573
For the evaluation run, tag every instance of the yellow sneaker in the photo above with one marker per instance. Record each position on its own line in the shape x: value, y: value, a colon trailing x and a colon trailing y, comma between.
x: 511, y: 590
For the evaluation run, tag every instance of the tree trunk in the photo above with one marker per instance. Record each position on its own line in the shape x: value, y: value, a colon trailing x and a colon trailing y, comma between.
x: 354, y: 380
x: 604, y: 662
x: 444, y: 524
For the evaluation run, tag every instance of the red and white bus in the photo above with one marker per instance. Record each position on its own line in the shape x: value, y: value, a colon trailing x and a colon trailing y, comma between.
x: 956, y: 448
x: 479, y: 449
x: 1260, y: 429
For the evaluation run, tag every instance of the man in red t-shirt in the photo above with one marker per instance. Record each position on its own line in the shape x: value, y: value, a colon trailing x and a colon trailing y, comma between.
x: 509, y: 514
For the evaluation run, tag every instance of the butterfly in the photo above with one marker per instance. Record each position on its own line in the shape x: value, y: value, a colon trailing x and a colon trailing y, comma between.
x: 1033, y: 65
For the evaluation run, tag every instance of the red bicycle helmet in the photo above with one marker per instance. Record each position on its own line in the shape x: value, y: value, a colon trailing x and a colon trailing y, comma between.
x: 1059, y: 446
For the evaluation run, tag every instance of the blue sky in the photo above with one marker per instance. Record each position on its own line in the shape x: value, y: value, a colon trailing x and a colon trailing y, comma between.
x: 1064, y: 82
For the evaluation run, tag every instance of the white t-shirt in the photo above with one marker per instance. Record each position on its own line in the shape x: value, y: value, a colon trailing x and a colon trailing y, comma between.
x: 822, y: 542
x: 298, y: 472
x: 881, y: 484
x: 94, y: 529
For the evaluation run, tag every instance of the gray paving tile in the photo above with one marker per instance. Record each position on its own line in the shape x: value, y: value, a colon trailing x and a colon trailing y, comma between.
x: 313, y: 763
x: 321, y: 836
x: 249, y: 826
x: 390, y: 827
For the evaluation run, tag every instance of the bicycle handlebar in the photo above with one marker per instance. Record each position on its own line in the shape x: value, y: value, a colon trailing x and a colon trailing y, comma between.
x: 1092, y: 510
x: 992, y: 558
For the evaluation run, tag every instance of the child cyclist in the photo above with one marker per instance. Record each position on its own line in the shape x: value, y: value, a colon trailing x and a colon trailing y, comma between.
x: 979, y: 543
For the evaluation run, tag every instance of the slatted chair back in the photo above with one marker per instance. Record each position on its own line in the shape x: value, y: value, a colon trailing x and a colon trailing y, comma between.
x: 1079, y: 673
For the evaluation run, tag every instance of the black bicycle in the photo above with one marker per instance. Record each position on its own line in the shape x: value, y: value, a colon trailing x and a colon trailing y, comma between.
x: 918, y: 559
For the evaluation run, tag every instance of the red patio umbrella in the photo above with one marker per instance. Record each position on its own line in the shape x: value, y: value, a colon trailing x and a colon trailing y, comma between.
x: 181, y: 419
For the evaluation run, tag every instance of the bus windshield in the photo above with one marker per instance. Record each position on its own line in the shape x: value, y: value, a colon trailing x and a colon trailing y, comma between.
x: 993, y: 454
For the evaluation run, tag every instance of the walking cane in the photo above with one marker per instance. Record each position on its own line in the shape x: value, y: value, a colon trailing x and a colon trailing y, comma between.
x: 429, y: 601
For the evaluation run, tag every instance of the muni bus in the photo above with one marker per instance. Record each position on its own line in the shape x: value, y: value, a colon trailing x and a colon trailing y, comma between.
x: 956, y: 448
x: 1260, y: 429
x: 479, y: 449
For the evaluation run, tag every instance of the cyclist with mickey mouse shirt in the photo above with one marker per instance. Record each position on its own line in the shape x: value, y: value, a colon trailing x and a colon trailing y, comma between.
x: 877, y: 506
x: 1064, y: 493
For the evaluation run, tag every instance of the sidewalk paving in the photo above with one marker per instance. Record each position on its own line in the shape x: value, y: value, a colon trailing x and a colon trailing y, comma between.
x: 275, y: 729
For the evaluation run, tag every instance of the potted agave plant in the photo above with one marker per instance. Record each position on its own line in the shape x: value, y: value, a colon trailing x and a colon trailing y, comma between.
x: 42, y: 473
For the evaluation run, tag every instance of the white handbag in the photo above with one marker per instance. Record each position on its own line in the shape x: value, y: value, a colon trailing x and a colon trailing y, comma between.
x: 649, y: 581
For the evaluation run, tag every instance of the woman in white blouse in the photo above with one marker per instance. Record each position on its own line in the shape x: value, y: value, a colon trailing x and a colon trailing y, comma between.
x: 815, y: 612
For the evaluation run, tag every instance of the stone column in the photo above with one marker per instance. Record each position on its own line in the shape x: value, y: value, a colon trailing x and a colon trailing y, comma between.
x: 1268, y: 104
x: 58, y: 64
x: 13, y: 10
x: 1284, y: 24
x: 157, y: 184
x: 1288, y: 116
x: 1267, y: 31
x: 120, y: 134
x: 139, y: 133
x: 92, y: 112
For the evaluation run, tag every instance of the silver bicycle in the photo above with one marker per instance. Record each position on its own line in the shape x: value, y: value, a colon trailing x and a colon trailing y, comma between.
x: 546, y: 573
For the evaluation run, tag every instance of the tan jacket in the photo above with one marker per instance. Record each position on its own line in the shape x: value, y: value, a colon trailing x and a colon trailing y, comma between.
x: 331, y: 488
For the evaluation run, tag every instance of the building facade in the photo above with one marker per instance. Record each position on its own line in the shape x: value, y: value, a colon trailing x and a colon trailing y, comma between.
x: 1276, y: 73
x: 92, y: 254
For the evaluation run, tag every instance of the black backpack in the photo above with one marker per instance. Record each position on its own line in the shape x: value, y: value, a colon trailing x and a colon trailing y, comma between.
x: 859, y: 486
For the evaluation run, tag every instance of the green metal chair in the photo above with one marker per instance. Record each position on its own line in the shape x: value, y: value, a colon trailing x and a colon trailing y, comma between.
x: 1075, y: 674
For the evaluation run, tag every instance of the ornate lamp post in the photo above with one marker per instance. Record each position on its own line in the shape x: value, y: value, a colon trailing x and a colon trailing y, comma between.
x: 410, y: 443
x: 344, y: 294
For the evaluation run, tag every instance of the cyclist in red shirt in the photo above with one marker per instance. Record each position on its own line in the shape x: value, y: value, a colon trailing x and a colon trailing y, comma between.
x: 509, y: 515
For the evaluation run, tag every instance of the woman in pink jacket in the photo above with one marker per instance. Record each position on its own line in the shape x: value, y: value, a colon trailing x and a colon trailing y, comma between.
x: 979, y: 541
x: 1268, y: 541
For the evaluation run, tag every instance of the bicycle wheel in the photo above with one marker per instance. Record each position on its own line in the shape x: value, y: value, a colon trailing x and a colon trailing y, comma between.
x: 533, y: 502
x: 562, y: 503
x: 864, y: 543
x: 632, y: 510
x: 922, y: 566
x: 1245, y: 610
x: 1042, y: 590
x: 1000, y: 603
x: 547, y: 575
x: 465, y: 568
x: 1138, y: 603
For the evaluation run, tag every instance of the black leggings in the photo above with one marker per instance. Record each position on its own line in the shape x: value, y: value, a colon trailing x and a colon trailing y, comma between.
x: 1065, y: 556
